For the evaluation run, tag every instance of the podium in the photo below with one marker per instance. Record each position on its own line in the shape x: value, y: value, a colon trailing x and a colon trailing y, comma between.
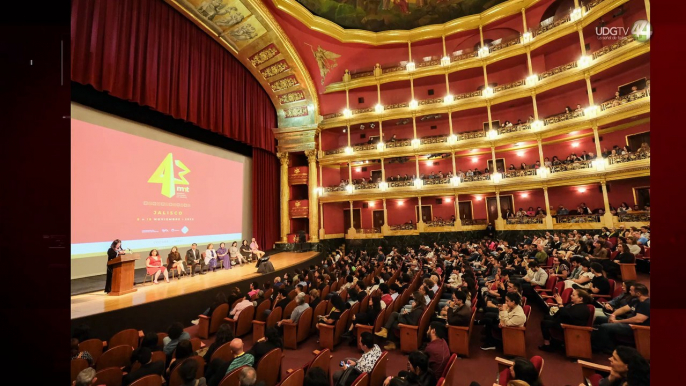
x: 122, y: 274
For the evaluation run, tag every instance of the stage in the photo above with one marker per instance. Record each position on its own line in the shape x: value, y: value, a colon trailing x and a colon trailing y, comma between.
x: 182, y: 299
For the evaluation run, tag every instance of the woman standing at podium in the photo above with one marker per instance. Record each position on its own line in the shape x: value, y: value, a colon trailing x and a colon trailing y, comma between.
x: 112, y: 253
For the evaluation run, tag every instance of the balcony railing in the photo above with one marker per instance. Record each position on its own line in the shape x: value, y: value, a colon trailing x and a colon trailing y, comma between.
x: 403, y: 227
x: 615, y: 46
x: 369, y: 185
x: 400, y: 184
x: 583, y: 218
x: 513, y: 129
x: 578, y: 165
x: 469, y: 222
x: 549, y: 26
x: 625, y: 99
x: 622, y: 158
x: 509, y: 86
x: 330, y: 189
x: 519, y: 173
x: 482, y: 177
x: 557, y: 70
x: 524, y: 220
x: 434, y: 139
x: 471, y: 135
x: 436, y: 181
x: 592, y: 4
x: 506, y: 44
x: 368, y: 231
x: 563, y: 117
x: 399, y: 143
x: 634, y: 217
x: 440, y: 223
x: 364, y: 147
x: 464, y: 56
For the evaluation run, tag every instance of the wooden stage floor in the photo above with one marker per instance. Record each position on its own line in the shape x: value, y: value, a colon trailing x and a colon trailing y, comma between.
x: 98, y: 302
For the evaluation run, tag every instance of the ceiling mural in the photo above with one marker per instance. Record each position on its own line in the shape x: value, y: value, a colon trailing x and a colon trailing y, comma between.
x: 384, y: 15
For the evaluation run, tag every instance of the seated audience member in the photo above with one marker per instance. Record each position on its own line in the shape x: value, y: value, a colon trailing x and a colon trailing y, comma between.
x: 418, y: 372
x: 175, y: 333
x: 281, y: 300
x: 240, y: 357
x: 248, y: 377
x: 510, y: 314
x: 457, y: 312
x: 406, y: 317
x: 575, y: 313
x: 437, y: 348
x: 627, y: 296
x: 224, y: 335
x: 183, y: 350
x: 243, y: 304
x: 366, y: 363
x: 86, y: 377
x: 628, y: 367
x: 316, y: 377
x: 270, y: 341
x: 366, y: 318
x: 187, y: 373
x: 386, y: 295
x: 534, y: 277
x: 599, y: 284
x: 77, y: 354
x: 523, y: 373
x: 300, y: 307
x: 314, y: 298
x: 219, y: 299
x: 334, y: 314
x: 584, y: 278
x: 559, y: 269
x: 638, y: 313
x: 148, y: 367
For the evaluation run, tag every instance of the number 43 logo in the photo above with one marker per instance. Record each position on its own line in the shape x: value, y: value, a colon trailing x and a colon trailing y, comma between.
x: 165, y: 175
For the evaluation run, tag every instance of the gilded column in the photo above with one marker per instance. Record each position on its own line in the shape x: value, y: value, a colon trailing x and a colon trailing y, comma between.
x: 385, y: 228
x: 285, y: 223
x: 609, y: 220
x: 499, y: 222
x: 458, y: 221
x: 598, y: 151
x: 548, y: 216
x: 313, y: 196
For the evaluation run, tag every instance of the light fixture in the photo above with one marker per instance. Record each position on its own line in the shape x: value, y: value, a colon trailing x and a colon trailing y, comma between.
x: 527, y: 37
x: 478, y: 198
x: 492, y: 134
x: 319, y: 191
x: 401, y: 203
x: 383, y: 186
x: 525, y: 195
x: 591, y: 111
x: 517, y: 144
x: 585, y: 61
x: 344, y: 130
x: 448, y: 99
x: 418, y: 183
x: 582, y: 190
x: 367, y: 161
x: 413, y: 104
x: 542, y: 172
x: 379, y: 108
x: 410, y: 66
x: 347, y: 113
x: 348, y: 150
x: 537, y: 125
x: 488, y: 92
x: 358, y: 169
x: 350, y: 188
x: 416, y: 142
x: 447, y: 199
x: 575, y: 144
x: 455, y: 180
x: 531, y: 80
x: 520, y: 153
x: 600, y: 163
x: 496, y: 177
x: 380, y: 146
x: 475, y: 160
x: 484, y: 51
x: 372, y: 204
x: 473, y: 150
x: 445, y: 61
x: 576, y: 14
x: 452, y: 139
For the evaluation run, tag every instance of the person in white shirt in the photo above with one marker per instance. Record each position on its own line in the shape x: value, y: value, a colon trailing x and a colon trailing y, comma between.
x: 366, y: 363
x: 393, y: 289
x: 243, y: 304
x: 211, y: 257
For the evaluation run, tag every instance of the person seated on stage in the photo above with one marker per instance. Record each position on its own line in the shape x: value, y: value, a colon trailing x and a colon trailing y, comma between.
x: 243, y: 304
x: 223, y: 256
x: 174, y: 261
x: 246, y: 254
x: 175, y: 333
x: 77, y: 354
x: 406, y: 317
x: 255, y: 249
x: 148, y: 367
x: 211, y: 257
x: 575, y: 313
x: 232, y: 256
x: 154, y: 267
x: 193, y: 258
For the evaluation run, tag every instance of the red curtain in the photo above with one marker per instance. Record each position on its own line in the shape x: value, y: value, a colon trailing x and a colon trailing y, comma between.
x: 265, y: 204
x: 147, y: 52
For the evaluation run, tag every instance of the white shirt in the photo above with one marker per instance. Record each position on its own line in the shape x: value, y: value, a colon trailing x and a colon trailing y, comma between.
x: 395, y: 295
x: 209, y: 255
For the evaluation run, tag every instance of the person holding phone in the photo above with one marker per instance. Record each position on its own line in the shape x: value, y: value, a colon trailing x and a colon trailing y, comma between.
x: 113, y: 252
x: 366, y: 363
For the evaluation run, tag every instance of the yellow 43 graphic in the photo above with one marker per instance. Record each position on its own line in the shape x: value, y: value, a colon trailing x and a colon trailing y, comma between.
x: 165, y: 175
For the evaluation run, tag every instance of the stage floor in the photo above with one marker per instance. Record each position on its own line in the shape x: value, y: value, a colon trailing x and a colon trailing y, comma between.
x: 98, y: 302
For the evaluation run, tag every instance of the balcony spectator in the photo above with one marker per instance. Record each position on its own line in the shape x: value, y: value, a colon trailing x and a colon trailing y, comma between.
x: 523, y: 166
x: 644, y: 149
x: 531, y: 212
x: 578, y: 108
x: 520, y: 213
x: 393, y: 138
x: 509, y: 214
x: 511, y: 168
x: 623, y: 208
x: 547, y: 163
x: 531, y: 119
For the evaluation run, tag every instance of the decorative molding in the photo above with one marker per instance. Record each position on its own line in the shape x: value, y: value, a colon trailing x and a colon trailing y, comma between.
x: 275, y: 69
x: 291, y: 97
x: 294, y: 112
x: 264, y: 55
x: 284, y: 83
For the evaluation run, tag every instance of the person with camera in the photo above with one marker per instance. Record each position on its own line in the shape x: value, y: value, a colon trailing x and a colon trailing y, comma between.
x: 365, y: 363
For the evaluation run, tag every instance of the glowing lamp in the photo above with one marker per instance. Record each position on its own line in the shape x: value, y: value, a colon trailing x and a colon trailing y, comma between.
x: 527, y: 37
x: 484, y: 52
x: 531, y: 80
x: 410, y: 66
x: 452, y: 139
x: 350, y: 188
x: 445, y: 61
x: 414, y: 104
x: 448, y: 99
x: 383, y: 186
x: 416, y: 142
x: 488, y: 92
x: 418, y: 183
x: 379, y: 108
x: 585, y: 61
x: 537, y: 125
x: 591, y: 111
x: 496, y: 177
x: 347, y: 113
x: 455, y: 180
x: 380, y: 146
x: 492, y: 134
x: 348, y: 150
x: 576, y: 14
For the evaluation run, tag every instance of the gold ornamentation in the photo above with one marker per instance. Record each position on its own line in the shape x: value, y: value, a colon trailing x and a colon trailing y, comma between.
x: 221, y: 14
x: 296, y: 171
x: 297, y: 204
x: 275, y: 69
x: 291, y: 97
x: 326, y: 60
x: 284, y: 83
x: 296, y: 112
x: 283, y: 157
x: 265, y: 54
x: 311, y: 156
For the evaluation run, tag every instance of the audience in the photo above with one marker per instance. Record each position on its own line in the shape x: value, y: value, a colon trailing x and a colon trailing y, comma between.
x: 575, y: 313
x: 366, y: 363
x: 147, y: 367
x: 437, y: 348
x: 175, y: 333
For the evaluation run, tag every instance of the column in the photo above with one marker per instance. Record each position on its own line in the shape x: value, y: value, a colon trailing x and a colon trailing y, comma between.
x: 416, y: 164
x: 647, y: 9
x: 533, y: 99
x: 597, y: 140
x: 383, y: 171
x: 458, y: 221
x: 322, y: 232
x: 488, y: 110
x: 313, y: 196
x: 285, y: 193
x: 608, y: 218
x: 318, y: 133
x: 589, y: 88
x: 420, y: 220
x: 385, y: 228
x: 452, y: 153
x: 548, y: 217
x: 351, y: 230
x: 499, y: 222
x: 494, y: 169
x: 540, y: 150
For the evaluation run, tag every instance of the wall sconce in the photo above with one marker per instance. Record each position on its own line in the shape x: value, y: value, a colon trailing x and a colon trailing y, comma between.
x: 379, y: 108
x: 531, y: 80
x: 416, y: 142
x: 576, y: 14
x: 383, y: 186
x: 520, y: 153
x: 475, y: 159
x: 347, y: 113
x: 448, y: 99
x: 319, y: 191
x: 488, y: 92
x: 401, y: 203
x: 542, y: 172
x: 575, y: 144
x: 455, y: 180
x: 350, y: 188
x: 591, y: 111
x: 445, y: 61
x: 527, y: 37
x: 585, y: 61
x: 496, y: 177
x: 448, y: 199
x: 372, y: 204
x: 410, y: 66
x: 600, y: 164
x: 418, y: 183
x: 478, y: 198
x: 525, y: 195
x: 537, y: 125
x: 380, y: 146
x: 358, y: 169
x: 348, y: 150
x: 492, y: 134
x: 484, y: 51
x: 582, y: 190
x: 414, y: 104
x: 452, y: 139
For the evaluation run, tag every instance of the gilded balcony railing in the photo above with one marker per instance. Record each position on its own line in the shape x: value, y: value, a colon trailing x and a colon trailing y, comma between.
x: 509, y: 86
x: 365, y: 147
x: 622, y: 158
x: 634, y: 217
x: 524, y: 220
x: 471, y: 135
x: 625, y: 99
x: 400, y: 184
x: 468, y: 222
x: 557, y: 70
x: 367, y: 231
x: 434, y: 139
x: 582, y: 218
x: 482, y: 177
x: 403, y: 227
x: 330, y: 189
x: 578, y: 165
x: 519, y: 173
x: 436, y: 181
x: 549, y: 26
x: 399, y: 143
x: 440, y: 223
x: 592, y: 4
x: 468, y: 95
x: 612, y: 47
x: 563, y: 117
x: 506, y: 44
x: 370, y: 185
x: 513, y: 129
x: 464, y: 56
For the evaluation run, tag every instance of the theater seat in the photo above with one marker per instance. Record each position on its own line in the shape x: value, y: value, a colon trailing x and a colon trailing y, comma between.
x: 258, y: 327
x: 232, y: 378
x: 209, y: 325
x: 243, y: 324
x: 330, y: 336
x: 296, y: 378
x: 175, y: 378
x: 148, y: 380
x: 294, y: 333
x: 459, y: 336
x: 578, y: 338
x: 269, y: 367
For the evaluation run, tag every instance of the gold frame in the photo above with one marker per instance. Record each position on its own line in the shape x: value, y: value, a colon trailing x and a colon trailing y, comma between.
x: 633, y: 190
x: 378, y: 210
x: 352, y: 225
x: 471, y: 204
x: 501, y: 195
x: 415, y: 212
x: 626, y: 137
x: 496, y: 163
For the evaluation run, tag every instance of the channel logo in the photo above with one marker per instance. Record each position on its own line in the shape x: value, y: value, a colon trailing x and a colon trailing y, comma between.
x: 164, y: 174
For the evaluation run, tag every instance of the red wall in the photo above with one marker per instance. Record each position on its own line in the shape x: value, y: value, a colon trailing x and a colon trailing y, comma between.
x: 428, y: 47
x: 535, y: 13
x: 444, y: 210
x: 469, y: 120
x: 529, y: 155
x: 423, y: 85
x: 471, y: 162
x: 478, y: 204
x: 333, y: 217
x: 393, y: 169
x: 508, y: 70
x: 619, y: 137
x: 466, y: 80
x: 563, y: 149
x: 554, y: 101
x: 521, y: 109
x: 622, y: 190
x: 369, y: 94
x: 527, y: 198
x: 445, y: 165
x: 607, y: 82
x: 571, y: 197
x: 400, y: 214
